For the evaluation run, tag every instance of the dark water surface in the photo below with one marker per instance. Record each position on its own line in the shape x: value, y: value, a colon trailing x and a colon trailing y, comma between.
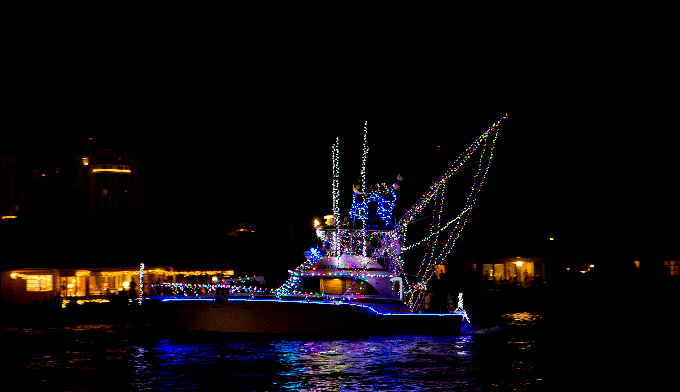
x: 512, y: 351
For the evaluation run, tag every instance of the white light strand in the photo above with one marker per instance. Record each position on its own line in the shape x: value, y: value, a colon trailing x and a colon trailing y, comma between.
x: 336, y: 194
x: 363, y: 184
x: 459, y: 309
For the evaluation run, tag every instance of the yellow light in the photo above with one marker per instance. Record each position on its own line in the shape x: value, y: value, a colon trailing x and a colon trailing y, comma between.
x: 86, y: 161
x: 13, y: 275
x: 519, y: 263
x: 9, y: 217
x: 316, y: 223
x: 552, y: 239
x: 592, y: 266
x: 82, y: 301
x: 112, y: 170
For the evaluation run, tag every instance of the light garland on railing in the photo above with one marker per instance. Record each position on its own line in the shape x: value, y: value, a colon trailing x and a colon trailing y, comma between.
x: 344, y: 274
x: 163, y: 272
x: 196, y: 289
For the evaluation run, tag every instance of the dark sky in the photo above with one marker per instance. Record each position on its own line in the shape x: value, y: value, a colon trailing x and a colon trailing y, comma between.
x: 596, y: 181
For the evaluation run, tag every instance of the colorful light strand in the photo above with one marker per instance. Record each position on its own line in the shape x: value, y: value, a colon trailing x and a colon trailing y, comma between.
x: 336, y: 193
x: 141, y: 281
x: 435, y: 196
x: 197, y: 289
x: 358, y: 242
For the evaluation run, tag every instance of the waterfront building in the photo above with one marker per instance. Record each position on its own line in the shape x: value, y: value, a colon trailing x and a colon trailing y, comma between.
x: 518, y: 269
x: 9, y: 189
x: 23, y: 286
x: 108, y: 183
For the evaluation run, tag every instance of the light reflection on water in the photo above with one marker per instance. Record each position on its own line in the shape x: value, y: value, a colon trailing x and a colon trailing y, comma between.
x: 388, y: 363
x: 523, y: 318
x: 130, y: 358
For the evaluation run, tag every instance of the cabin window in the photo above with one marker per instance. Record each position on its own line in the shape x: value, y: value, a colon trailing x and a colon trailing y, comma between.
x: 334, y: 286
x: 339, y: 286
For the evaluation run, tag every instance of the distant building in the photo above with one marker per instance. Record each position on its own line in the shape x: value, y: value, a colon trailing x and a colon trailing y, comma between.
x: 26, y: 285
x: 108, y: 183
x: 521, y: 270
x: 9, y: 188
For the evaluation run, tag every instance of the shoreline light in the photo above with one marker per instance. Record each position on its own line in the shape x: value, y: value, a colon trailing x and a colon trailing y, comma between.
x: 112, y: 170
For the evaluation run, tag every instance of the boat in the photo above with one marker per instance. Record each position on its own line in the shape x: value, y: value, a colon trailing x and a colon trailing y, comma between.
x: 342, y: 294
x: 354, y: 281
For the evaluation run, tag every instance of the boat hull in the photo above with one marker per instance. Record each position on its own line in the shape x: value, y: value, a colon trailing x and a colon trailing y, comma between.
x: 300, y: 317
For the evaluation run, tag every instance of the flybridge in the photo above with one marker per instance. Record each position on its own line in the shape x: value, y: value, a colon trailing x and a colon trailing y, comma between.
x: 368, y: 239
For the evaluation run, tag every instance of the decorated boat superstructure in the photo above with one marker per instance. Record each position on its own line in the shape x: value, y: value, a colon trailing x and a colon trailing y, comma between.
x: 354, y: 281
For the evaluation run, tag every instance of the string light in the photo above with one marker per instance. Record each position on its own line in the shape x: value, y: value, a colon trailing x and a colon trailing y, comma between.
x: 336, y: 193
x: 435, y: 197
x: 363, y: 187
x: 197, y: 289
x: 141, y: 281
x: 387, y: 245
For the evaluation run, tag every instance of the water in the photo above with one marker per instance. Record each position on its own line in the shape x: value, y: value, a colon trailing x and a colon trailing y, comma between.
x: 514, y: 351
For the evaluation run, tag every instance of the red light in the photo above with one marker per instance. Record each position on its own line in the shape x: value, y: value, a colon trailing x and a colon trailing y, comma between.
x: 90, y: 138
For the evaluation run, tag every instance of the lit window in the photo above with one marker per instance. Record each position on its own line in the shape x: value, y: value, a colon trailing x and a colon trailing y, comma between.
x: 39, y: 283
x: 86, y: 161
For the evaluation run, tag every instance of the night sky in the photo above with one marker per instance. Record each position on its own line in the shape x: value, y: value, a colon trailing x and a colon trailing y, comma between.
x: 596, y: 183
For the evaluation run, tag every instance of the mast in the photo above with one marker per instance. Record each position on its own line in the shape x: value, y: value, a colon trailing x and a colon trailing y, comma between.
x: 364, y: 215
x: 336, y: 195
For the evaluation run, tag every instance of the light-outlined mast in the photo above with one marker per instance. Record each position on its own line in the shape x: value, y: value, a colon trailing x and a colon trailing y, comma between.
x: 336, y: 195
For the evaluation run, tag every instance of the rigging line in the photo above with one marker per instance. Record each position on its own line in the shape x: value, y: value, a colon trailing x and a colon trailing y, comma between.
x: 425, y: 199
x: 439, y: 231
x: 427, y: 216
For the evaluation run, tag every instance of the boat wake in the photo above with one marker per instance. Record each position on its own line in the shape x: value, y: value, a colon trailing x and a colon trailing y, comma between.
x: 485, y: 331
